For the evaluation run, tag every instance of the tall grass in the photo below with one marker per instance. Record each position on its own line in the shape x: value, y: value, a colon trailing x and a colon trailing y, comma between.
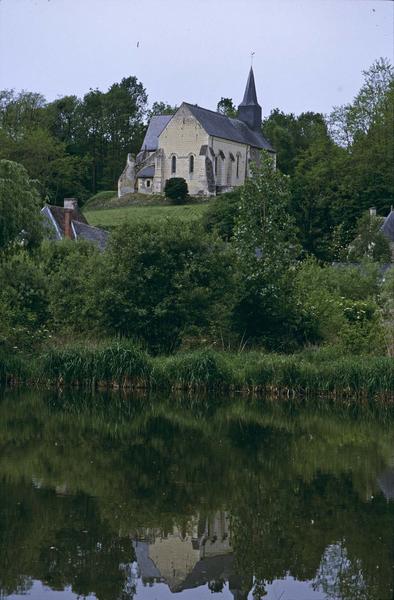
x: 124, y: 364
x: 14, y: 367
x: 120, y: 363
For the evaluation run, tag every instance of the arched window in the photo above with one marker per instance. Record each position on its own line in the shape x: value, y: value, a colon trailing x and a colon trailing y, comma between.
x: 191, y: 164
x: 148, y: 183
x: 173, y: 165
x: 216, y: 165
x: 237, y: 166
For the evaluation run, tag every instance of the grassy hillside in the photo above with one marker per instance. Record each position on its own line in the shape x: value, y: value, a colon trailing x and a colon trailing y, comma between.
x: 113, y: 217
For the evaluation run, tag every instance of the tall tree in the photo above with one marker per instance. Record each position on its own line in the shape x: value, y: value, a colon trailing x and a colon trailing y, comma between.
x: 227, y: 107
x: 161, y: 108
x: 20, y: 219
x: 266, y: 244
x: 291, y: 135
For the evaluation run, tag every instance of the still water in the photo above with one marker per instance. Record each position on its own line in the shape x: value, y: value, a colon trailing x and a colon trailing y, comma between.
x: 118, y: 498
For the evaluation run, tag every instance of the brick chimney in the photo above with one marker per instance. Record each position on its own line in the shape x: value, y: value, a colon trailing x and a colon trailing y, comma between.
x: 70, y: 204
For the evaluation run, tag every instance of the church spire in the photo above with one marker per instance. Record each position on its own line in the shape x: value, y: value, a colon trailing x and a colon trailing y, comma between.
x: 250, y: 96
x: 249, y: 111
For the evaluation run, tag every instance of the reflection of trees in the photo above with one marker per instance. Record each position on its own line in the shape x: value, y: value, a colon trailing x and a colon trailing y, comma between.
x: 295, y: 483
x: 61, y: 541
x: 338, y: 577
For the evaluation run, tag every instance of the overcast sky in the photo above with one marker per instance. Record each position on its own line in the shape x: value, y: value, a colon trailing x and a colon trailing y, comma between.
x: 308, y: 54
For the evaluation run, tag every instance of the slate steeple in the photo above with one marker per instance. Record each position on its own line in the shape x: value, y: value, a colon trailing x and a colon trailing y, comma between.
x: 249, y: 111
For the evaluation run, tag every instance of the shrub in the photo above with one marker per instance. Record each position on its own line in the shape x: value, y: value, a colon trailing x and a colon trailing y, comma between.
x: 160, y: 282
x: 222, y: 214
x: 71, y: 269
x: 204, y: 368
x: 176, y: 190
x: 23, y: 302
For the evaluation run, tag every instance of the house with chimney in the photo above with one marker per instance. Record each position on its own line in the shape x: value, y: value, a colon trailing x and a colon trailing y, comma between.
x: 211, y: 151
x: 68, y: 222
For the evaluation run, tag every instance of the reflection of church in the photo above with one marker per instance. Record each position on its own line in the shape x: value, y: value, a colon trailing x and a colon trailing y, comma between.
x: 191, y: 558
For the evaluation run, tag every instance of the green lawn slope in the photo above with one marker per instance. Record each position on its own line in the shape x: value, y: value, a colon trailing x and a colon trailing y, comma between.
x: 137, y: 213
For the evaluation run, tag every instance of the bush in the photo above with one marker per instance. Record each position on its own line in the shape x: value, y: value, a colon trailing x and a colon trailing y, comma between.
x: 23, y: 302
x: 176, y: 190
x: 203, y: 368
x: 162, y: 282
x: 222, y: 214
x: 71, y: 269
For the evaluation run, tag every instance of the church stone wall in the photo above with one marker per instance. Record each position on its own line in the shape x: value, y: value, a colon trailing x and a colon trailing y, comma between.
x: 227, y: 169
x: 182, y: 137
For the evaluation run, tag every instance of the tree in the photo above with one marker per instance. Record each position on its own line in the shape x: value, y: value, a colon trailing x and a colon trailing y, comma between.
x: 23, y: 301
x: 20, y: 203
x: 266, y: 245
x: 227, y: 107
x: 161, y: 108
x: 348, y: 121
x: 160, y: 283
x: 369, y: 241
x: 222, y: 213
x: 319, y: 198
x: 291, y: 135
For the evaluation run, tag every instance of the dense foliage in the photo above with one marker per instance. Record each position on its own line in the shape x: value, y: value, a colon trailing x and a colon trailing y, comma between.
x: 73, y: 147
x: 20, y: 202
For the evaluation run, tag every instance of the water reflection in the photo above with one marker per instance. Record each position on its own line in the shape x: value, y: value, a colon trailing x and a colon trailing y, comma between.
x: 136, y: 498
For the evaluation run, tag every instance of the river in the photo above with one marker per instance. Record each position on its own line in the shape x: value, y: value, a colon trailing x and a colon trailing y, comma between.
x: 112, y: 497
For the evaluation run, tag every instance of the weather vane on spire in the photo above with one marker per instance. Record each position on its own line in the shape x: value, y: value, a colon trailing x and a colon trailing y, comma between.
x: 251, y: 58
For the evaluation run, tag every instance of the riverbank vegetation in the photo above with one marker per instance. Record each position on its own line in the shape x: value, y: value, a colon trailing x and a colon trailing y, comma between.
x: 239, y: 297
x: 116, y: 365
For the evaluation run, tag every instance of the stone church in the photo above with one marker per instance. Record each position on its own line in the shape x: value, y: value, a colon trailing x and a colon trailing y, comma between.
x: 211, y: 151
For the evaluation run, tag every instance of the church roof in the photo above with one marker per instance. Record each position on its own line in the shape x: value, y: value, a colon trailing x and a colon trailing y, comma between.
x: 221, y: 126
x: 155, y: 127
x: 250, y: 95
x: 148, y: 171
x: 388, y: 226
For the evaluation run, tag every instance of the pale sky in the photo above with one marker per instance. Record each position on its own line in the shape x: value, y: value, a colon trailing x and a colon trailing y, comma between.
x: 309, y: 54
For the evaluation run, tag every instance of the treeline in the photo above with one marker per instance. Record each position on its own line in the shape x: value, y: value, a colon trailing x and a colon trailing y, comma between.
x: 73, y: 146
x: 340, y: 164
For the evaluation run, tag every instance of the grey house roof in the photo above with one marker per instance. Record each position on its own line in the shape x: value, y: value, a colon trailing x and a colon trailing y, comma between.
x: 148, y: 171
x: 54, y: 219
x: 155, y: 127
x: 97, y: 236
x: 220, y: 126
x: 388, y: 226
